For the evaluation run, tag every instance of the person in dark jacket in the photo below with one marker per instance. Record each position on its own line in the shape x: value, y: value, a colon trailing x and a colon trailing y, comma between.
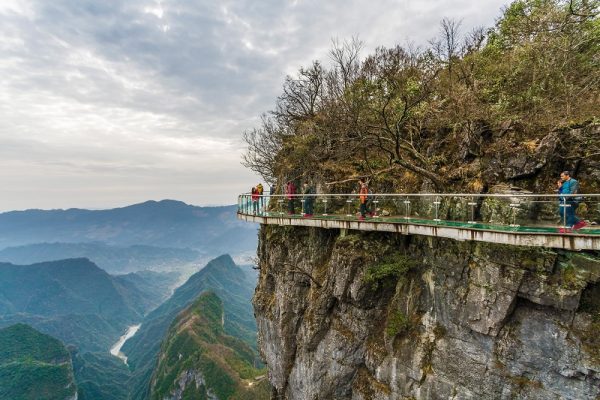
x: 570, y: 203
x: 309, y: 200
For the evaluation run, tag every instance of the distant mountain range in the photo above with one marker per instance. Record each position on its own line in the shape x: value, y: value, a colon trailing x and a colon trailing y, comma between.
x: 166, y: 223
x: 112, y: 259
x: 50, y: 279
x: 88, y: 309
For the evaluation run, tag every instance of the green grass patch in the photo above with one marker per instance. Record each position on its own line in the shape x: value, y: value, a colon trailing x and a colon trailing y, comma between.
x: 388, y: 271
x: 398, y: 323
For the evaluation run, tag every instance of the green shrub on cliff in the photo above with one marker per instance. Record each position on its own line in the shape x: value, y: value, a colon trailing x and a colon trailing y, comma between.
x: 388, y: 271
x: 398, y: 323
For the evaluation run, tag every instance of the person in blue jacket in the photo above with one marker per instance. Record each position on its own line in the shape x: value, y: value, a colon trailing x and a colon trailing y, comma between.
x: 570, y: 203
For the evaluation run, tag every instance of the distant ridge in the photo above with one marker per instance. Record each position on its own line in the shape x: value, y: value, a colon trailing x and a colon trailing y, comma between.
x: 165, y: 223
x: 112, y: 259
x: 72, y: 300
x: 232, y: 284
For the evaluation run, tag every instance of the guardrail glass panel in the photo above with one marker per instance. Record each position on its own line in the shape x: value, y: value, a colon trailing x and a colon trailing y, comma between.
x: 518, y: 212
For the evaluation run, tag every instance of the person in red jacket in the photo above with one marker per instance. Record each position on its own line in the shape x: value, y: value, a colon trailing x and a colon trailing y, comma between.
x: 255, y: 196
x: 290, y: 192
x: 363, y: 192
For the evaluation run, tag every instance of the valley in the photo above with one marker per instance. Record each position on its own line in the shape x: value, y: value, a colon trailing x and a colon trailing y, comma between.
x: 112, y: 320
x: 115, y: 350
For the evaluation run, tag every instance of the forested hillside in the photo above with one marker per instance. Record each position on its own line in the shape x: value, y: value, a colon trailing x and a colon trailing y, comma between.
x: 199, y: 360
x: 234, y: 286
x: 72, y: 300
x: 34, y: 366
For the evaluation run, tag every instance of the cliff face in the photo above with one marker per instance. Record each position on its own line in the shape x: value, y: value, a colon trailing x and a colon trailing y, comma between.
x: 384, y: 316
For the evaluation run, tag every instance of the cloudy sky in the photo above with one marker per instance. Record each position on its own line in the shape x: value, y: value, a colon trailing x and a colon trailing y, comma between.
x: 106, y: 103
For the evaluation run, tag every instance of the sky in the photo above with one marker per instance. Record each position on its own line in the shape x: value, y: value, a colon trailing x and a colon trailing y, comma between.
x: 107, y: 103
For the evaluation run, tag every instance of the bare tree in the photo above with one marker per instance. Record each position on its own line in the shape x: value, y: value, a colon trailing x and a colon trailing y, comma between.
x: 301, y: 96
x: 264, y: 144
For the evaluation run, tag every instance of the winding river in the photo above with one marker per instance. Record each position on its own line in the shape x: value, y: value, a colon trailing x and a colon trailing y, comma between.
x: 116, y: 349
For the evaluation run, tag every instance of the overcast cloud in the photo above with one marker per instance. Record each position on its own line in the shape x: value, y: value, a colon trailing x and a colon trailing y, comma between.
x: 108, y: 103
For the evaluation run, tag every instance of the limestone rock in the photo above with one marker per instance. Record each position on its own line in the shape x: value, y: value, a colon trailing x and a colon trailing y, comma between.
x: 465, y: 320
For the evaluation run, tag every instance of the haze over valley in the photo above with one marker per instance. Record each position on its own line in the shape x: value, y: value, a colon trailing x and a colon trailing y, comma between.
x: 88, y: 278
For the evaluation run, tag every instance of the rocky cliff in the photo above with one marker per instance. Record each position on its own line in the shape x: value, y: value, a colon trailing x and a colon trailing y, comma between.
x: 349, y: 315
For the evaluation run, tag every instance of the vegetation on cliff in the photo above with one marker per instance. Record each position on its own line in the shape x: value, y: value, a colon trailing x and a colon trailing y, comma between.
x: 199, y: 360
x: 499, y: 105
x: 350, y: 316
x: 232, y: 284
x: 34, y: 366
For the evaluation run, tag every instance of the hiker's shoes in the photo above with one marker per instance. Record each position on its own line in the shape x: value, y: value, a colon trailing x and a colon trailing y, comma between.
x: 579, y: 225
x: 564, y: 230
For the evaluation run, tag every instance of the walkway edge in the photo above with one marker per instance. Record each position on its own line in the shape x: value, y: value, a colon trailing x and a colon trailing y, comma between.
x: 557, y: 241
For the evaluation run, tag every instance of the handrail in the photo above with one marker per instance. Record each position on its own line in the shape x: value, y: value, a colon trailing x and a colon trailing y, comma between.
x: 500, y: 195
x: 515, y: 210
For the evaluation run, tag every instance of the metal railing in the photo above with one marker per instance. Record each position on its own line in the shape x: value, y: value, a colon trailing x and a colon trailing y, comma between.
x: 511, y: 210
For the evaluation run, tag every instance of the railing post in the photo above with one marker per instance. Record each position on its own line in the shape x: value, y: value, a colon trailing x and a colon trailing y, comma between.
x: 348, y: 202
x: 407, y: 207
x: 514, y: 208
x: 564, y: 206
x: 472, y: 204
x: 375, y: 203
x: 437, y: 203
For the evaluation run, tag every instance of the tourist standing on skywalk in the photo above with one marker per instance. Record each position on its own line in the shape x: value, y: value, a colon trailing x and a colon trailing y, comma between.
x: 259, y: 191
x: 290, y: 193
x: 363, y: 193
x: 254, y: 198
x: 569, y: 204
x: 309, y: 200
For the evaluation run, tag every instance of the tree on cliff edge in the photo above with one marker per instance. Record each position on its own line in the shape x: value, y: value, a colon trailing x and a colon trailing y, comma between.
x: 411, y: 117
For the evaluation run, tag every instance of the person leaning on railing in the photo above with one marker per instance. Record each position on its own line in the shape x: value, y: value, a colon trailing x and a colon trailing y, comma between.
x: 570, y: 186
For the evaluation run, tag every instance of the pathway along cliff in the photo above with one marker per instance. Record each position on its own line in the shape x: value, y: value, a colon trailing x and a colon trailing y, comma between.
x: 116, y: 349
